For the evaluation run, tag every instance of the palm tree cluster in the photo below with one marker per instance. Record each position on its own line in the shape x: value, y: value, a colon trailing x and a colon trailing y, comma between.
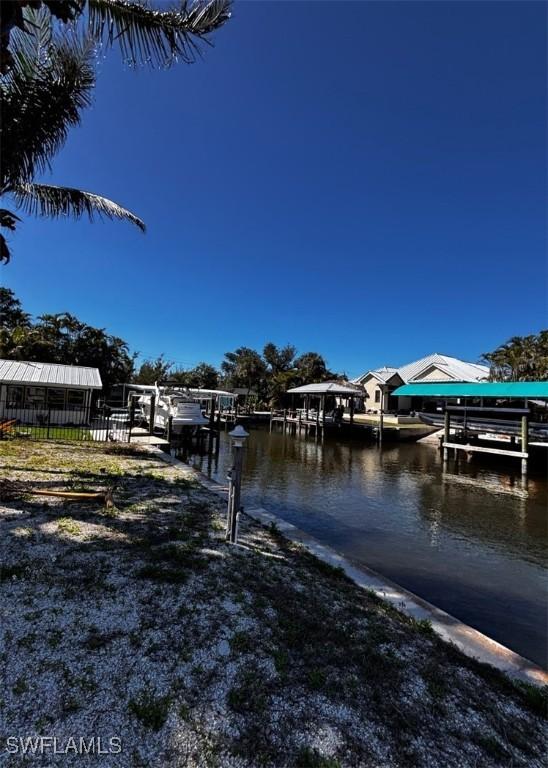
x: 48, y: 76
x: 265, y: 376
x: 61, y: 338
x: 521, y: 358
x: 270, y: 375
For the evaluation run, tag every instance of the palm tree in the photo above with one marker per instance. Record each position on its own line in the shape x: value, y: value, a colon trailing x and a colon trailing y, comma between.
x: 42, y: 95
x: 48, y: 80
x: 144, y: 34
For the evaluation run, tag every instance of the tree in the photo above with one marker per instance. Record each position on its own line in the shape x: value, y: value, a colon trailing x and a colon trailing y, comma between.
x: 153, y: 371
x: 312, y: 368
x: 145, y: 35
x: 202, y: 376
x: 278, y: 359
x: 521, y: 358
x: 244, y: 368
x: 11, y: 311
x: 48, y: 79
x: 63, y: 338
x: 42, y: 96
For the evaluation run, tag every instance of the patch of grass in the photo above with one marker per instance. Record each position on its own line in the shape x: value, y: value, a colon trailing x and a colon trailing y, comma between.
x: 27, y: 641
x: 535, y: 696
x: 241, y: 642
x: 69, y: 526
x: 248, y: 696
x: 316, y: 679
x: 20, y: 686
x: 326, y: 569
x: 9, y: 572
x: 281, y: 661
x: 424, y: 626
x: 492, y: 746
x: 311, y: 758
x: 97, y: 640
x: 161, y: 573
x: 151, y: 710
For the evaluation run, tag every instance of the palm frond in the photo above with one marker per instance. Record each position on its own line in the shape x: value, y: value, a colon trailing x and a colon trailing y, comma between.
x: 50, y: 82
x: 156, y: 37
x: 4, y: 250
x: 52, y: 201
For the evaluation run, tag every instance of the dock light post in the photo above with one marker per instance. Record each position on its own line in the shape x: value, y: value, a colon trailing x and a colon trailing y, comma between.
x: 238, y: 437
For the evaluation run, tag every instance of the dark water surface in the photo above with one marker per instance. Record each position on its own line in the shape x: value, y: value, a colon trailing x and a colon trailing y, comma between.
x: 469, y: 539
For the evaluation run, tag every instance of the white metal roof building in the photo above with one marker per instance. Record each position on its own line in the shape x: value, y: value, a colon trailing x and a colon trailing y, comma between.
x: 49, y: 374
x: 28, y: 390
x: 433, y: 367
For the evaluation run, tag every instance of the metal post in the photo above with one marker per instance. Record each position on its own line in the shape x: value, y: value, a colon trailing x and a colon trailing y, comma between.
x: 169, y: 429
x: 229, y: 504
x: 381, y: 417
x: 152, y: 414
x: 131, y: 418
x: 446, y: 431
x: 352, y: 410
x: 236, y: 488
x: 524, y: 442
x: 49, y: 419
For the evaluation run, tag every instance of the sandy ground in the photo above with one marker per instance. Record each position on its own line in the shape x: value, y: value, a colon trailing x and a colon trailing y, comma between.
x: 139, y: 635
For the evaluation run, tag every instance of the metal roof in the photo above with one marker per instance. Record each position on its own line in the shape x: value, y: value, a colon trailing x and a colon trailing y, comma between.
x: 452, y: 367
x: 325, y: 388
x: 500, y: 389
x: 52, y: 374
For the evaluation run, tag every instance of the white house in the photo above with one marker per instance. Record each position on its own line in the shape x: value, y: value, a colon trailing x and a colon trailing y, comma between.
x: 34, y: 391
x: 433, y: 367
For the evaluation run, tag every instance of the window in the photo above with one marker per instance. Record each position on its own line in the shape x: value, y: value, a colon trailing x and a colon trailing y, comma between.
x: 75, y: 398
x: 35, y: 397
x: 56, y: 399
x: 377, y: 395
x: 15, y: 397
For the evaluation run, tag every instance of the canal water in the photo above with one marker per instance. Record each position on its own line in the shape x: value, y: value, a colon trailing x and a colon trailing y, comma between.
x: 470, y: 539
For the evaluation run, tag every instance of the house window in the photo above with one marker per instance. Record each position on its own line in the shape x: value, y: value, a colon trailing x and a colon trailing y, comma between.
x: 75, y: 398
x: 56, y: 399
x: 15, y: 397
x: 35, y: 397
x: 377, y: 395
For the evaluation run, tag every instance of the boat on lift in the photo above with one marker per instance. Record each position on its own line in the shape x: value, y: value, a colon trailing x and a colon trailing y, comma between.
x: 175, y: 403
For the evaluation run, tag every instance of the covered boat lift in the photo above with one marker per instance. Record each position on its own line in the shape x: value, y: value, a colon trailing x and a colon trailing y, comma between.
x: 515, y: 421
x: 319, y: 392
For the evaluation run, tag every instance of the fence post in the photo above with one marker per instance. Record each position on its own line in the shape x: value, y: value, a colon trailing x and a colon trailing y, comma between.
x: 49, y: 419
x: 131, y: 418
x: 152, y: 414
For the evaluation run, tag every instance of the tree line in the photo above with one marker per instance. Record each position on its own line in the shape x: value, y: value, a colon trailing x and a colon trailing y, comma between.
x: 266, y: 375
x: 521, y: 358
x: 63, y: 338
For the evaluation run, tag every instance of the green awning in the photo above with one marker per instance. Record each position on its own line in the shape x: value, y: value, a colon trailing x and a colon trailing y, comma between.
x: 502, y: 389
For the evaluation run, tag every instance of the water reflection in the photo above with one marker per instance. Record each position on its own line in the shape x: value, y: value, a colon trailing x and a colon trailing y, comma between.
x: 465, y: 536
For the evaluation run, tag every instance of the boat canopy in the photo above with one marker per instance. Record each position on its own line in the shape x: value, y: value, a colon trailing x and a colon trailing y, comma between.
x: 494, y: 389
x: 327, y: 388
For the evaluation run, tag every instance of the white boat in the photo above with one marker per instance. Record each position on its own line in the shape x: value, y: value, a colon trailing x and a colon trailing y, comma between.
x: 172, y: 402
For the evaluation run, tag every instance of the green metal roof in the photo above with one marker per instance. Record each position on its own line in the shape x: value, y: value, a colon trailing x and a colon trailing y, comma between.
x: 507, y: 389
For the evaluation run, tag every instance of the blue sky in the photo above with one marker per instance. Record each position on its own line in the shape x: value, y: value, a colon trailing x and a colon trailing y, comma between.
x: 367, y: 180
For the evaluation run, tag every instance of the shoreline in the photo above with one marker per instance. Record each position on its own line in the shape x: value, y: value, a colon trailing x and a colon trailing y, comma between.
x: 470, y: 641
